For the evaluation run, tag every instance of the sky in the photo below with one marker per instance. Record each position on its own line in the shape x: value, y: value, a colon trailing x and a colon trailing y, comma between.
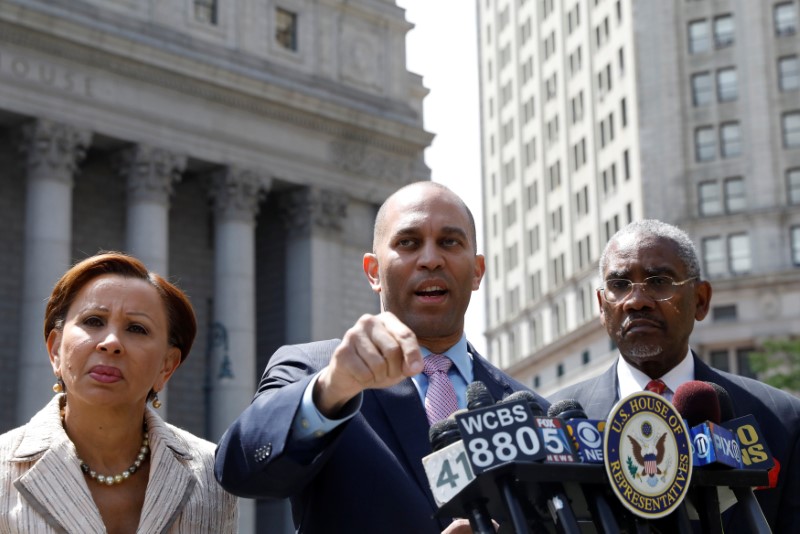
x: 442, y: 48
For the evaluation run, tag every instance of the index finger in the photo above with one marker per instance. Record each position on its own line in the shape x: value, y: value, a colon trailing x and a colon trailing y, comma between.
x: 407, y: 340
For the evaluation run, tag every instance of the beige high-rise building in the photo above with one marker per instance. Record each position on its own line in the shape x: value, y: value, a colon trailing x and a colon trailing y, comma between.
x: 239, y: 147
x: 599, y: 112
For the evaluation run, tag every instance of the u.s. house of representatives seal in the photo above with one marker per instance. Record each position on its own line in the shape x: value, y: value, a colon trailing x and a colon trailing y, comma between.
x: 647, y: 454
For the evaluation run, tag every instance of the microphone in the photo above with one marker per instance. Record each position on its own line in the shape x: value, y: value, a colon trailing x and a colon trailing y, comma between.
x: 697, y: 402
x: 713, y: 445
x: 481, y: 403
x: 749, y: 436
x: 527, y: 396
x: 443, y: 433
x: 587, y: 435
x: 725, y: 403
x: 448, y: 472
x: 478, y: 396
x: 559, y: 449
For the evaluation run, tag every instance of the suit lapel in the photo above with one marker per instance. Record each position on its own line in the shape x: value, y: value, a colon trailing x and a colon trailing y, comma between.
x: 171, y: 482
x: 406, y: 417
x: 54, y: 474
x: 494, y: 382
x: 602, y: 394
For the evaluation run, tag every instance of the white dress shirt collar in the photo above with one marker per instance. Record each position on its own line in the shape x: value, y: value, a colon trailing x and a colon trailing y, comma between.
x: 632, y: 380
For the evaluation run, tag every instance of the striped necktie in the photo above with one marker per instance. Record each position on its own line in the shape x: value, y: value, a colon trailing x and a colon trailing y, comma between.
x: 440, y: 400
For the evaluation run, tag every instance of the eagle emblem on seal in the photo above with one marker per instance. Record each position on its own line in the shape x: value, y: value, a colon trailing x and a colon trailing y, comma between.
x: 648, y: 456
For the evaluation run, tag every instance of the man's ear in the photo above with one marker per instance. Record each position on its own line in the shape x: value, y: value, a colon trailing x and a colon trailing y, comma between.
x: 602, y: 309
x: 702, y: 295
x: 371, y: 270
x: 480, y: 269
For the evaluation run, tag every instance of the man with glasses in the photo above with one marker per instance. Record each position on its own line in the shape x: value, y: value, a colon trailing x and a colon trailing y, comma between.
x: 650, y: 296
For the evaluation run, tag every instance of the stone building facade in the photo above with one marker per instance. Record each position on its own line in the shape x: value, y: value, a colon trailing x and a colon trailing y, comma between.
x: 240, y: 148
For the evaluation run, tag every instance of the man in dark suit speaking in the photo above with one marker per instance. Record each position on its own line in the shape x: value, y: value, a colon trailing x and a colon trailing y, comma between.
x: 340, y: 426
x: 651, y: 295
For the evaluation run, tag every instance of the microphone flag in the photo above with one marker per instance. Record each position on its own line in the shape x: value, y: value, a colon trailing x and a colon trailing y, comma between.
x: 501, y: 433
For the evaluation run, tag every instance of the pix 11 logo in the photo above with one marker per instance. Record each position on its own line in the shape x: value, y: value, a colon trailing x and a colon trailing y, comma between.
x: 647, y: 455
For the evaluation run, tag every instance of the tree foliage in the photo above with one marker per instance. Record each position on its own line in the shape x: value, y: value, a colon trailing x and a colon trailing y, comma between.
x: 778, y: 364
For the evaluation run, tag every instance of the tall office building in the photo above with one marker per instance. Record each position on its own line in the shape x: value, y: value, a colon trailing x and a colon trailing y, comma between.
x: 599, y: 112
x: 239, y: 147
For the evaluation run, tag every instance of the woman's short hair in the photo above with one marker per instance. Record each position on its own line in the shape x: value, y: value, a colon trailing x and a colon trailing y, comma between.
x: 182, y: 324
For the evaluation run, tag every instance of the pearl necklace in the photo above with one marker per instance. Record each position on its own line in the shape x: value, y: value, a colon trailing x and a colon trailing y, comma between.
x: 110, y: 480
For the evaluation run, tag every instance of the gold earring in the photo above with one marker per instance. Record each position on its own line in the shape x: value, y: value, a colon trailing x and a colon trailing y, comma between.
x: 58, y: 387
x: 155, y: 402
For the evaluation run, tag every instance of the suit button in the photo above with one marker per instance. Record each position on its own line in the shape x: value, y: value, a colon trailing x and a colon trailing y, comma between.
x: 263, y: 452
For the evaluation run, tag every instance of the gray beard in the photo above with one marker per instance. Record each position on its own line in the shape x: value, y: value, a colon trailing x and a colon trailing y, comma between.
x: 644, y: 351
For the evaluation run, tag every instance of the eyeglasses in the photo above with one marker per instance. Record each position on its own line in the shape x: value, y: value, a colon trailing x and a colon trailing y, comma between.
x: 656, y: 287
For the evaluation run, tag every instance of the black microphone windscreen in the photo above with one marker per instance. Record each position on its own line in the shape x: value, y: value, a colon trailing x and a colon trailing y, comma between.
x: 478, y: 396
x: 697, y: 402
x: 567, y: 409
x: 530, y: 398
x: 443, y: 433
x: 726, y: 412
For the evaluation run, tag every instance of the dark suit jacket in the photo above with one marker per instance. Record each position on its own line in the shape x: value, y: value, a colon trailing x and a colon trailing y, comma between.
x: 366, y: 476
x: 778, y: 416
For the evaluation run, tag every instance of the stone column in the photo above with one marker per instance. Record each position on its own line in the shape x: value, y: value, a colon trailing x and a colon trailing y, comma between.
x: 53, y: 152
x: 236, y: 194
x: 150, y: 174
x: 314, y: 219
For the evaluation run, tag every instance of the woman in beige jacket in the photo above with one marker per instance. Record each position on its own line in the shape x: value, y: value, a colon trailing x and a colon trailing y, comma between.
x: 96, y: 459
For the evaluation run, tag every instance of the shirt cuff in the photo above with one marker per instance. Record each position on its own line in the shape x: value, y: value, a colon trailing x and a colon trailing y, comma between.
x: 310, y: 424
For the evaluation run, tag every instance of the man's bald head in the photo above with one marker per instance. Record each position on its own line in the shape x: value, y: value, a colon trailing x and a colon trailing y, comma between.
x: 380, y: 219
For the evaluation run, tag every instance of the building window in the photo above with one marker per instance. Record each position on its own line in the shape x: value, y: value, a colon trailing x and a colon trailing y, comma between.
x: 556, y: 222
x: 286, y: 28
x: 710, y: 202
x: 735, y: 199
x: 699, y: 39
x: 719, y: 360
x: 730, y: 139
x: 205, y: 11
x: 723, y: 31
x: 701, y: 89
x: 788, y: 73
x: 532, y: 195
x: 705, y: 144
x: 585, y: 357
x: 785, y: 18
x: 560, y: 370
x: 511, y: 213
x: 623, y: 110
x: 791, y: 129
x: 726, y: 312
x: 739, y: 253
x: 713, y: 256
x: 727, y: 86
x: 533, y: 240
x: 554, y: 176
x: 626, y: 164
x: 795, y: 236
x: 743, y: 361
x: 793, y: 182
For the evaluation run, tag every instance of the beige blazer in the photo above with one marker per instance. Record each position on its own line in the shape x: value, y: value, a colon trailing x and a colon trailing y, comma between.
x: 42, y: 488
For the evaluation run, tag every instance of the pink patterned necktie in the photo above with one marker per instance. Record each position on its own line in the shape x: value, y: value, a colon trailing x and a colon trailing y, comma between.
x: 656, y: 386
x: 440, y: 400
